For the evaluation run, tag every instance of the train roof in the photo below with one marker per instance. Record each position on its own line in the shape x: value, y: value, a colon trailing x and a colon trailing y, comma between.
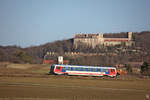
x: 84, y: 66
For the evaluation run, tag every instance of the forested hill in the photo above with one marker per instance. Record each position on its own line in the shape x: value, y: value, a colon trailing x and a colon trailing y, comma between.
x: 35, y: 54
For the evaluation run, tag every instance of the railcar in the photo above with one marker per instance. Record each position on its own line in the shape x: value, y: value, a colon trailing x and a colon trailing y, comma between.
x: 82, y: 70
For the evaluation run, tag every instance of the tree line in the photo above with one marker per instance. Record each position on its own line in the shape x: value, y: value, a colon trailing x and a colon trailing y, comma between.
x: 35, y: 54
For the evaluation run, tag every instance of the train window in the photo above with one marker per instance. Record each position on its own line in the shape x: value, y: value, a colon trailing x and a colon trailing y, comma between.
x: 102, y: 70
x: 58, y: 67
x: 77, y: 69
x: 112, y: 70
x: 91, y: 69
x: 72, y: 68
x: 64, y: 68
x: 94, y: 70
x: 88, y: 69
x: 80, y: 69
x: 69, y: 68
x: 98, y: 70
x: 85, y: 69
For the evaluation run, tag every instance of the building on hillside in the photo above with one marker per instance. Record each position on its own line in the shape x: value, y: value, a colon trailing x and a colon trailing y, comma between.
x: 93, y: 40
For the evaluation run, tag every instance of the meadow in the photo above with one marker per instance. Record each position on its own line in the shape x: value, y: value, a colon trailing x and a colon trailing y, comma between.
x: 32, y: 82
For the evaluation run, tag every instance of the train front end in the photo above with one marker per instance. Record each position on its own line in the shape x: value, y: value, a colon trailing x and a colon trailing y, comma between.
x: 52, y: 69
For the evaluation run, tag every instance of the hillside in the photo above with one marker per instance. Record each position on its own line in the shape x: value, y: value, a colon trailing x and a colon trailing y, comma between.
x: 35, y: 54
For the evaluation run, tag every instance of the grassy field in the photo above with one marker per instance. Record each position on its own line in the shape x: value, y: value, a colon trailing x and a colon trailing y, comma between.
x: 32, y: 82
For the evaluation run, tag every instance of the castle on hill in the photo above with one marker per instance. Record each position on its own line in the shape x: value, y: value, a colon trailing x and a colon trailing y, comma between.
x: 94, y: 40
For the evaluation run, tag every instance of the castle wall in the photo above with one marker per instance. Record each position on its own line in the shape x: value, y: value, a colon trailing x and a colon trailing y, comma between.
x: 86, y: 41
x: 97, y: 39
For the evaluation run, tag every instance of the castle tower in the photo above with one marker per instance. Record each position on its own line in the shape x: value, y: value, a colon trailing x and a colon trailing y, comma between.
x: 100, y: 39
x: 100, y: 35
x: 130, y: 35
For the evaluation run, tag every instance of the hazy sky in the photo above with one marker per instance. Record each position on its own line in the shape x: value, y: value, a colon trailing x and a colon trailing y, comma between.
x: 35, y: 22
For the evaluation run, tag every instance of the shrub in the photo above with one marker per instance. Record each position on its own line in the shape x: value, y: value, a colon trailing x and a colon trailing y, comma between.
x: 145, y: 68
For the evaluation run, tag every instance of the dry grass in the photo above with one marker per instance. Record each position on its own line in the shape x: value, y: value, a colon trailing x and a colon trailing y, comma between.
x: 32, y: 82
x: 73, y: 98
x: 23, y: 70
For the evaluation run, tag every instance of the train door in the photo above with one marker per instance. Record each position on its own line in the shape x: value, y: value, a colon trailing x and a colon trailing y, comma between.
x: 63, y: 69
x: 107, y: 71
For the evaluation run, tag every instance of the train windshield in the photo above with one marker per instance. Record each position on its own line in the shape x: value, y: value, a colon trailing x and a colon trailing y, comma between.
x: 58, y: 67
x: 112, y: 70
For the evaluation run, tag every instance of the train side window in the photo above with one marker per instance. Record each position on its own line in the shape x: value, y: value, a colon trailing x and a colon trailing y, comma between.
x: 64, y: 68
x: 102, y: 70
x: 91, y: 69
x: 112, y: 70
x: 99, y: 70
x: 85, y: 69
x: 94, y: 70
x: 88, y: 69
x: 57, y: 67
x: 77, y: 69
x: 69, y: 68
x: 80, y: 69
x: 72, y: 68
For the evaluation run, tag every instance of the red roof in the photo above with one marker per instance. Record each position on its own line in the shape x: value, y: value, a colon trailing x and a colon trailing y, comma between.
x: 116, y: 40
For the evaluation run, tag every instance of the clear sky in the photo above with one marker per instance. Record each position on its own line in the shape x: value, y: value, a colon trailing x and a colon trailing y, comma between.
x: 34, y: 22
